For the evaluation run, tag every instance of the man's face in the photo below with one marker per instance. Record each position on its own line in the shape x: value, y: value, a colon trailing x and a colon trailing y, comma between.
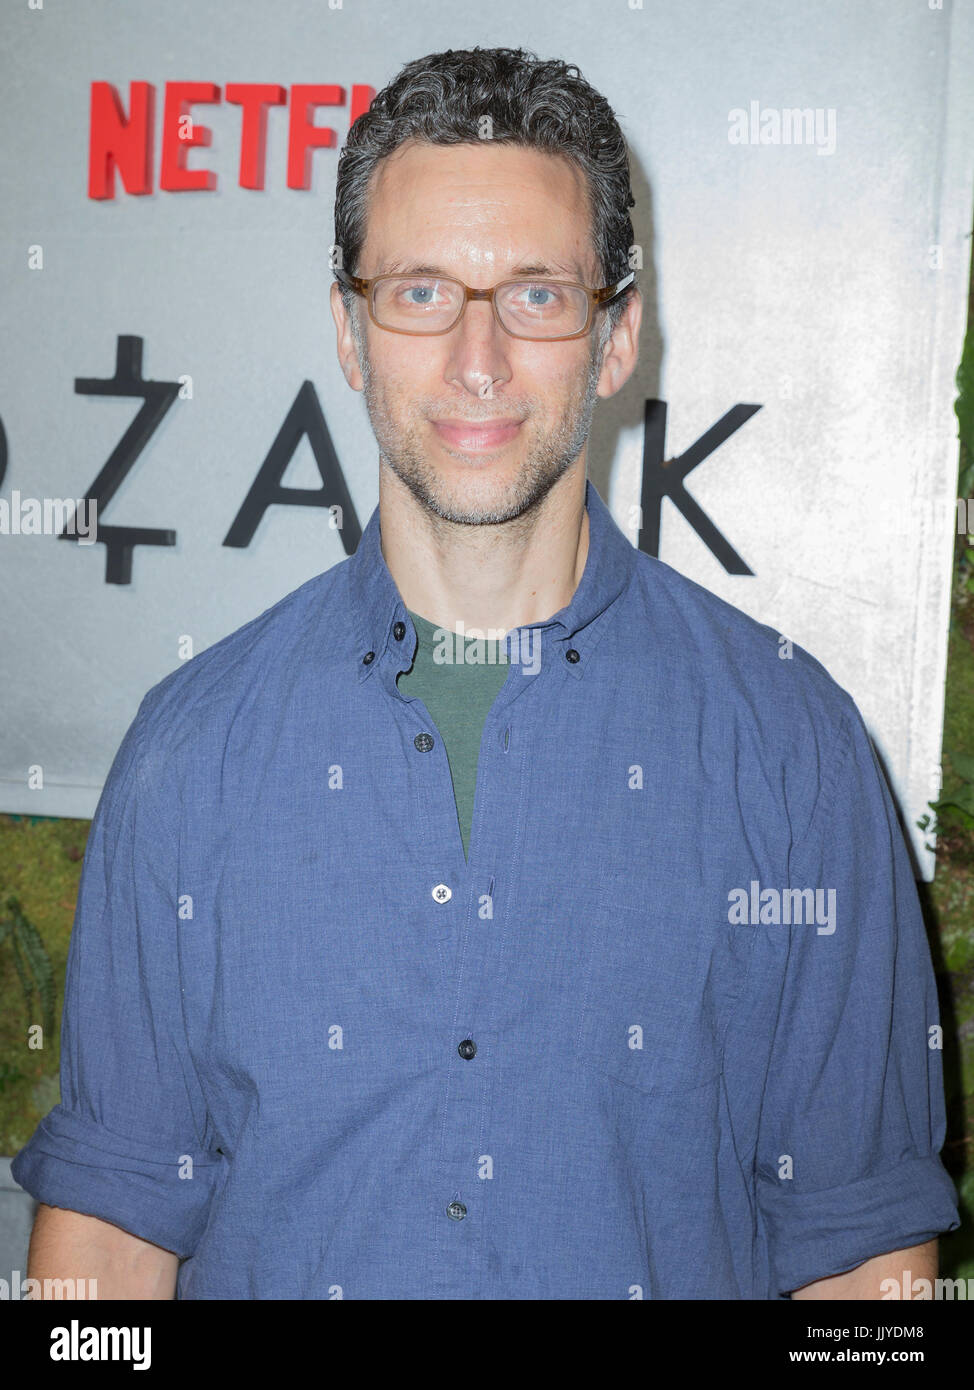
x: 480, y: 213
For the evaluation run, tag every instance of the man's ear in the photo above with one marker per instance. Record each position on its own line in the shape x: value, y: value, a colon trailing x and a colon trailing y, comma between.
x: 347, y: 349
x: 621, y: 352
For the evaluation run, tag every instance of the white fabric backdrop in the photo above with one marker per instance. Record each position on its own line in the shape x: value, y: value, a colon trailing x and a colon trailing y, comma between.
x: 796, y: 276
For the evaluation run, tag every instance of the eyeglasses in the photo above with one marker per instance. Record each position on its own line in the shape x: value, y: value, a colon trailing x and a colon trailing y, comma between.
x: 542, y: 310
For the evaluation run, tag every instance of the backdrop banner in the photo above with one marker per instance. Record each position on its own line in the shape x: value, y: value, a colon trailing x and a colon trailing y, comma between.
x: 172, y: 407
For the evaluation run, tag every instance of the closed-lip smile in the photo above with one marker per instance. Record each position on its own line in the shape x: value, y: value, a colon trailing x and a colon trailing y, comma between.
x: 477, y: 436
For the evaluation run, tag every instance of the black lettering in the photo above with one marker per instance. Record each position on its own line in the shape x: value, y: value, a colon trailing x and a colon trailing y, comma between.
x: 305, y: 418
x: 157, y: 397
x: 664, y: 477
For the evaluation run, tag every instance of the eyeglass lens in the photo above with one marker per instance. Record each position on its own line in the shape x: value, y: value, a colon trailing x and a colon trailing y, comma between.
x: 528, y: 308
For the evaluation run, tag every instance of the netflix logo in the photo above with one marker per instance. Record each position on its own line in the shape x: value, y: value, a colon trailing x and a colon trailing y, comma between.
x: 122, y: 142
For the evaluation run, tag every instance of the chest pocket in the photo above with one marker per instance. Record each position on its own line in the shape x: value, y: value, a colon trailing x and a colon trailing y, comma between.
x: 651, y: 1014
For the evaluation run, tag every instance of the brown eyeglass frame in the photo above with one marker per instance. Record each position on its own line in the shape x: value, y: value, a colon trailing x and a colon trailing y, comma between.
x: 597, y: 299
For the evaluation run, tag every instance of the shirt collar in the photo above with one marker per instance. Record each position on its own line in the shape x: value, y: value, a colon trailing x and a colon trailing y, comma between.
x: 377, y: 607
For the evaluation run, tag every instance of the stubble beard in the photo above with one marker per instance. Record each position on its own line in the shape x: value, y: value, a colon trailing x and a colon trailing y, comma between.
x: 549, y: 456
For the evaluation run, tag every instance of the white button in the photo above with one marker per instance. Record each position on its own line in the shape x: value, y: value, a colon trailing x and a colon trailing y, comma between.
x: 442, y: 893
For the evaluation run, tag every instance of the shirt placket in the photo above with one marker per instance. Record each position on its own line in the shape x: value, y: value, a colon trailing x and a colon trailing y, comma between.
x: 469, y: 908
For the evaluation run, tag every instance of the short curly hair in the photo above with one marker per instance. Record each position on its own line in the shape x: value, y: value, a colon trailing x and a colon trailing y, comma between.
x: 541, y: 104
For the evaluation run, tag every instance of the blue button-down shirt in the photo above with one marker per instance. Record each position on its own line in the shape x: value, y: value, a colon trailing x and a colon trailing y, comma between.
x: 687, y: 950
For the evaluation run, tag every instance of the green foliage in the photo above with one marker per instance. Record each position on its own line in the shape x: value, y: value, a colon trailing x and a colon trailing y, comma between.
x: 32, y: 963
x: 964, y: 409
x: 41, y: 859
x: 958, y: 807
x: 957, y: 1248
x: 9, y: 1075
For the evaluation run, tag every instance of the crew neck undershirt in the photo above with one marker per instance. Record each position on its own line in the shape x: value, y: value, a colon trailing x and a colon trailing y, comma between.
x: 457, y: 679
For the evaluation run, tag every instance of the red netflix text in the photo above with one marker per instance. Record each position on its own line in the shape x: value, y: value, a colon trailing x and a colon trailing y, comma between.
x: 123, y: 143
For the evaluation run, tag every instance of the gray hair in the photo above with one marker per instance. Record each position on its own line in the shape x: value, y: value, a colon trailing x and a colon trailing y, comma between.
x: 452, y: 98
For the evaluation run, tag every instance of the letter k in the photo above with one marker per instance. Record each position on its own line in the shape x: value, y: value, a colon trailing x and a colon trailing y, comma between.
x: 664, y: 478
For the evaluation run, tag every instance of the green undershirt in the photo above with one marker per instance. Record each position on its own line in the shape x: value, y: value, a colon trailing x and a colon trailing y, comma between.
x: 458, y: 695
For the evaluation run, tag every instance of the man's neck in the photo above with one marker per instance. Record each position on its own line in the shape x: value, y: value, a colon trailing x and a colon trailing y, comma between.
x: 496, y: 577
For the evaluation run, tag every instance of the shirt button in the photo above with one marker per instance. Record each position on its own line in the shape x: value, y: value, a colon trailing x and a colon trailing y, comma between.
x: 442, y: 893
x: 368, y: 658
x: 399, y: 631
x: 456, y: 1210
x: 572, y: 655
x: 424, y: 742
x: 467, y: 1049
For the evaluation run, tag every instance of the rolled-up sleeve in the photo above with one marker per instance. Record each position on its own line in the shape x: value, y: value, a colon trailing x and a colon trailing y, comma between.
x: 853, y: 1116
x: 128, y: 1141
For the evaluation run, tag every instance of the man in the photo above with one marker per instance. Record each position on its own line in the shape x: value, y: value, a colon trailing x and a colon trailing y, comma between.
x: 593, y: 972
